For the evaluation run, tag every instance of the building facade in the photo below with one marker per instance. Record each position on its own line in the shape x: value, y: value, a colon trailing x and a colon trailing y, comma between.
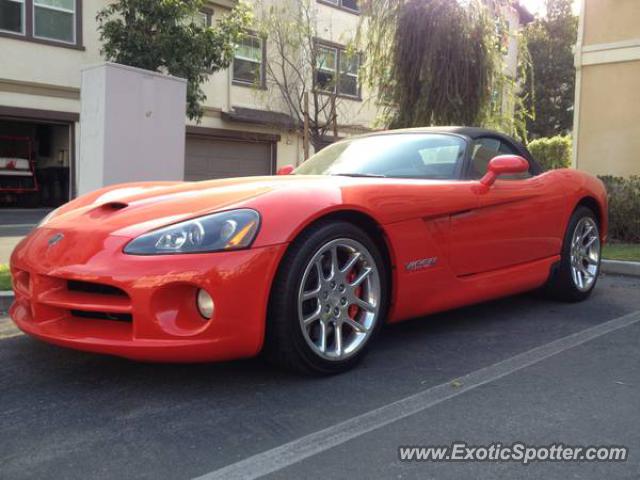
x: 607, y: 106
x: 44, y: 45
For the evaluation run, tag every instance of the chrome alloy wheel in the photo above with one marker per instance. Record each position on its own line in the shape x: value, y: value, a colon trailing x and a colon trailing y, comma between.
x: 585, y: 254
x: 339, y: 299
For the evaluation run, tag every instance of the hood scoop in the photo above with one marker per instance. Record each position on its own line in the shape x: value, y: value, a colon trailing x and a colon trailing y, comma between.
x: 106, y: 209
x: 114, y: 206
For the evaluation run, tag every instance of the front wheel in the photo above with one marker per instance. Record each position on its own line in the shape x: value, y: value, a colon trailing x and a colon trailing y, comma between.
x: 577, y: 273
x: 328, y: 300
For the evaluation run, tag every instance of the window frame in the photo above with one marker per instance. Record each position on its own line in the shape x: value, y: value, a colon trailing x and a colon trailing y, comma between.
x: 533, y: 166
x: 262, y: 83
x: 334, y: 71
x: 55, y: 9
x: 23, y: 22
x: 339, y: 5
x: 28, y: 24
x: 205, y: 14
x: 340, y: 51
x: 208, y: 15
x: 460, y: 165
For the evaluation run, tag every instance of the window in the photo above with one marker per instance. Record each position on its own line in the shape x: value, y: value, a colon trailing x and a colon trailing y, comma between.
x: 483, y: 150
x: 202, y: 19
x: 349, y: 66
x: 54, y: 20
x: 12, y: 16
x: 327, y: 59
x: 398, y: 155
x: 44, y: 21
x: 348, y: 5
x: 337, y: 71
x: 248, y: 63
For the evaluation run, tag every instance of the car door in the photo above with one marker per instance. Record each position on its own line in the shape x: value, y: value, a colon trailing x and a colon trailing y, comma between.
x: 515, y: 221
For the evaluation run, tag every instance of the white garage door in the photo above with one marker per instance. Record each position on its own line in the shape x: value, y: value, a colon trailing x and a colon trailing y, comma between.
x: 207, y: 158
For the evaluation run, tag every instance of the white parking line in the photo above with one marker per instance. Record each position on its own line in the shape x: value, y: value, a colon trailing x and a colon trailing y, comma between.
x: 297, y: 450
x: 8, y: 329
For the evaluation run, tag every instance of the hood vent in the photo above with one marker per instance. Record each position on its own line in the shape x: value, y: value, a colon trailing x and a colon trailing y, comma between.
x: 115, y: 205
x: 106, y: 209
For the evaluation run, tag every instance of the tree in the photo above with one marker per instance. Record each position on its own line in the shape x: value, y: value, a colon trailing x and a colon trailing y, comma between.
x: 164, y: 36
x: 432, y: 62
x: 292, y: 67
x: 549, y: 90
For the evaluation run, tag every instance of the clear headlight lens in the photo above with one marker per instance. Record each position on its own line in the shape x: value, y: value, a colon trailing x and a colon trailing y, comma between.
x: 230, y: 230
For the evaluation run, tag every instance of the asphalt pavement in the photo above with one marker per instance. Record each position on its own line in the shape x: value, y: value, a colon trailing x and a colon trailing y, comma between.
x: 76, y: 415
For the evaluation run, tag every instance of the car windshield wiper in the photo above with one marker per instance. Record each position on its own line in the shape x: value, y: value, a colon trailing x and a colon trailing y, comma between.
x: 374, y: 175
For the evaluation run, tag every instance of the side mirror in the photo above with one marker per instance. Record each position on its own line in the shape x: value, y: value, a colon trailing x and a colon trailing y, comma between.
x: 286, y: 170
x: 502, y: 165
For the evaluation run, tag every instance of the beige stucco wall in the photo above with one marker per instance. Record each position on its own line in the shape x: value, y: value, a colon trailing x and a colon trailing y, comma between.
x: 48, y: 78
x: 20, y: 60
x: 607, y: 107
x: 609, y: 133
x: 332, y: 25
x: 609, y: 21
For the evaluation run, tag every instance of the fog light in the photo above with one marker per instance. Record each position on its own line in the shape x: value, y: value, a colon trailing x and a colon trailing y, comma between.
x: 205, y: 304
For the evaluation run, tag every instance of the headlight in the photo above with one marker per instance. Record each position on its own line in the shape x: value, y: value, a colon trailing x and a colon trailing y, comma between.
x: 221, y: 231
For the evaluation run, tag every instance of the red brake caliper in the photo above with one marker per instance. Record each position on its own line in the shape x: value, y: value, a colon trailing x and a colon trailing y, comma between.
x: 353, y: 309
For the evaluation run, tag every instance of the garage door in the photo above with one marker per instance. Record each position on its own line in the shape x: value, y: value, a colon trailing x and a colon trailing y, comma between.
x: 207, y: 158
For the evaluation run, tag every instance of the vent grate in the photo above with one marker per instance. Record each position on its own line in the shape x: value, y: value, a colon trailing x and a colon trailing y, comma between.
x: 118, y: 317
x: 99, y: 288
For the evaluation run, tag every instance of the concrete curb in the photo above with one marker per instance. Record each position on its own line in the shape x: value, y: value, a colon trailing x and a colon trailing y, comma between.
x: 6, y: 299
x: 618, y: 267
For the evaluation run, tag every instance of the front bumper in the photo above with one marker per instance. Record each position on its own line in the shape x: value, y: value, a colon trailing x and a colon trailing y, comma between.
x: 84, y: 293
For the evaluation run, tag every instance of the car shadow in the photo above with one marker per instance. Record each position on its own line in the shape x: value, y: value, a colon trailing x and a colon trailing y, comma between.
x: 473, y: 335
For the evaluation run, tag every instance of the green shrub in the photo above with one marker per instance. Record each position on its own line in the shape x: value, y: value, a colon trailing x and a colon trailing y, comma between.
x: 624, y: 208
x: 552, y: 152
x: 5, y: 277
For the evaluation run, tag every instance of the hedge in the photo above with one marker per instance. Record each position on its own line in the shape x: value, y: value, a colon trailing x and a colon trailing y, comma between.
x: 553, y: 152
x: 623, y: 193
x: 624, y: 208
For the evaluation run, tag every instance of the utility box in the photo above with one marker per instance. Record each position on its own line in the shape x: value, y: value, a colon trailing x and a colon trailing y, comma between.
x: 132, y: 126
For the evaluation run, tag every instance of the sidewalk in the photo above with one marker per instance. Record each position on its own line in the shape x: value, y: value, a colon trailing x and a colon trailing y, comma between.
x: 7, y: 244
x: 15, y: 223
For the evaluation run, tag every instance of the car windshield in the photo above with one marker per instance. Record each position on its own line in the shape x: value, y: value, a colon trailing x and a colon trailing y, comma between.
x: 401, y: 155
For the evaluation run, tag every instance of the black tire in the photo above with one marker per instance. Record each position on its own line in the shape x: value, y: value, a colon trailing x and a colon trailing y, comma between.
x: 561, y: 284
x: 285, y: 344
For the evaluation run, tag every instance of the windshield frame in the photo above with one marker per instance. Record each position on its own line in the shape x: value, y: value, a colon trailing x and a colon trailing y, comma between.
x: 458, y: 174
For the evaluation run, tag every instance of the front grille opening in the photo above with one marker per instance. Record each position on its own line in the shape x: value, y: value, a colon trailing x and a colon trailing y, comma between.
x: 99, y: 288
x: 118, y: 317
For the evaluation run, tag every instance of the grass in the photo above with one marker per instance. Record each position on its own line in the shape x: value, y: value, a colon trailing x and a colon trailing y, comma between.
x: 5, y: 277
x: 622, y: 251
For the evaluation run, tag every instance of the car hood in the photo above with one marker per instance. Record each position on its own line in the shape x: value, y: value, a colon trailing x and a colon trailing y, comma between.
x: 131, y: 209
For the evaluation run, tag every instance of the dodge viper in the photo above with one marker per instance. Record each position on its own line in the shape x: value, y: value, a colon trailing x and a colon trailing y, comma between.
x: 307, y: 265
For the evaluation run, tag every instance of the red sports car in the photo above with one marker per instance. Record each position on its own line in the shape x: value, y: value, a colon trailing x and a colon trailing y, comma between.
x: 308, y: 266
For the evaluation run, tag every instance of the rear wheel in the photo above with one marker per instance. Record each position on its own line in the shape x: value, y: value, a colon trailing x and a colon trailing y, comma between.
x: 577, y: 273
x: 328, y: 300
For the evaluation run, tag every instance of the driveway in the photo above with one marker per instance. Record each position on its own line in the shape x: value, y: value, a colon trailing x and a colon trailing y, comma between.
x: 519, y: 369
x: 15, y: 223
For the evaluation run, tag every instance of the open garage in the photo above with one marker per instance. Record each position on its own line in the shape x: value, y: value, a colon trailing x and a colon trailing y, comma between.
x: 36, y: 158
